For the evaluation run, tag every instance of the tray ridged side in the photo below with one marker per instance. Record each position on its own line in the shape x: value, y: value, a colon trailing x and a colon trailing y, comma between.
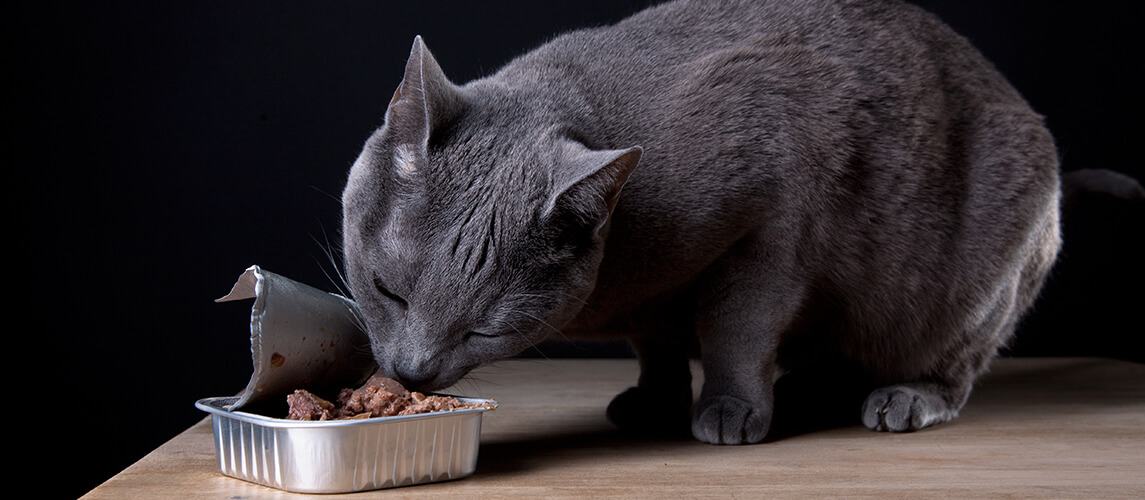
x: 248, y: 451
x: 349, y: 458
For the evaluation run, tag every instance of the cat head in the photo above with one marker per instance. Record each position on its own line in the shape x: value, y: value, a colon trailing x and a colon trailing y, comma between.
x: 473, y: 224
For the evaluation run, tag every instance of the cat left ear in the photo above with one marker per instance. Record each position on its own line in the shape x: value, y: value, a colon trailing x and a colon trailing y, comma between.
x: 588, y: 182
x: 424, y: 100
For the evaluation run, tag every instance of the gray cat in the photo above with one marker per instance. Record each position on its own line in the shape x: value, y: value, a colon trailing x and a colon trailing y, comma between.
x: 769, y: 185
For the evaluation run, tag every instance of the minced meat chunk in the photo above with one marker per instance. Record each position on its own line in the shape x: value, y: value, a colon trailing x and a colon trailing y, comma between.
x: 379, y: 397
x: 371, y: 399
x: 306, y: 406
x: 425, y: 404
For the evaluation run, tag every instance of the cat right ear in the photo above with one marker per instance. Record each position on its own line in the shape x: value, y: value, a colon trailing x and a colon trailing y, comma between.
x: 587, y: 185
x: 424, y: 101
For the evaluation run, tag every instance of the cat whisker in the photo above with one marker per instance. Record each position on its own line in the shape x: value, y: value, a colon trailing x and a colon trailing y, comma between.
x: 338, y: 280
x: 328, y: 195
x: 340, y: 284
x: 355, y: 316
x: 558, y: 295
x: 547, y: 362
x: 363, y: 350
x: 541, y: 321
x: 526, y: 337
x: 474, y: 384
x: 501, y: 365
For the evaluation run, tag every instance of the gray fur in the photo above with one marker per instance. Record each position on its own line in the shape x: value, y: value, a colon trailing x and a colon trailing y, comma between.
x: 842, y: 182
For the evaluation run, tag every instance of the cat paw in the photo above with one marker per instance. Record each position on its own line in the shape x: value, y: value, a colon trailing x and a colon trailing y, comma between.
x: 729, y: 420
x: 903, y: 408
x: 647, y: 411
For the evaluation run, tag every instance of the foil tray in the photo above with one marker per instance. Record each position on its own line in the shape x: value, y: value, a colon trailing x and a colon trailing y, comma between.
x: 341, y: 456
x: 305, y: 338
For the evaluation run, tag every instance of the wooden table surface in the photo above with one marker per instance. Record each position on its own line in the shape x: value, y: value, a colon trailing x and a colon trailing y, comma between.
x: 1046, y: 428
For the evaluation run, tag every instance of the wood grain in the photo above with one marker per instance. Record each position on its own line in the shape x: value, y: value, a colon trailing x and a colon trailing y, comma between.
x: 1045, y: 428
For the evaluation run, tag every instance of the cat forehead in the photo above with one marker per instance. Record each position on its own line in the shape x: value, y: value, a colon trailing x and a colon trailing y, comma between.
x: 480, y: 164
x: 458, y: 203
x: 490, y: 212
x: 460, y: 248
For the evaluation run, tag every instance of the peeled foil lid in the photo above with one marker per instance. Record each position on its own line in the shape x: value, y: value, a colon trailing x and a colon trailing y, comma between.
x: 300, y: 338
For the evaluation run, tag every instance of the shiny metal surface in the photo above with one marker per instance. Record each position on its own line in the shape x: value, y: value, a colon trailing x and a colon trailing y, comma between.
x: 305, y: 338
x: 300, y: 337
x: 345, y: 455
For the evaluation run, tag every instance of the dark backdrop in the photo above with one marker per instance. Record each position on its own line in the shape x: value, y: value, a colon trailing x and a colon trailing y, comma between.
x: 160, y: 148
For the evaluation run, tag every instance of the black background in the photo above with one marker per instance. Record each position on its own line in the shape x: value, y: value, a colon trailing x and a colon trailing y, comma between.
x: 160, y: 148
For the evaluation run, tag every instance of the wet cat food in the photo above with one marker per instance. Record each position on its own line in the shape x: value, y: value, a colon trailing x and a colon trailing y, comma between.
x: 379, y: 397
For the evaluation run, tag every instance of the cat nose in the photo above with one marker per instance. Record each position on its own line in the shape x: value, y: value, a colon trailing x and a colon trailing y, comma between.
x: 414, y: 377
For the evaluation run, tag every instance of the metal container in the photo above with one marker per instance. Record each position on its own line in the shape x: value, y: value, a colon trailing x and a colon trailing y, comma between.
x: 305, y: 338
x: 342, y: 456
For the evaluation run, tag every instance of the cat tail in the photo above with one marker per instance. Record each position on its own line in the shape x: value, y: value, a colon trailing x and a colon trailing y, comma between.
x: 1081, y: 183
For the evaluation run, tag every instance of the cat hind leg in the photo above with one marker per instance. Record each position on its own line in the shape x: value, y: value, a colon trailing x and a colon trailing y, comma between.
x: 908, y: 407
x: 940, y: 394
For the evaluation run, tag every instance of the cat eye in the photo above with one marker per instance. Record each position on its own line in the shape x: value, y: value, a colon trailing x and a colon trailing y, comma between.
x: 390, y: 295
x: 472, y: 335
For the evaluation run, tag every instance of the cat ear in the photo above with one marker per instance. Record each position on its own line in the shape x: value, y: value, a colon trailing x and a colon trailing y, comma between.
x: 588, y: 182
x: 425, y: 99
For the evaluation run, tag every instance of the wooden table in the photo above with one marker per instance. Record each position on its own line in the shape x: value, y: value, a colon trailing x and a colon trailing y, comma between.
x: 1047, y: 428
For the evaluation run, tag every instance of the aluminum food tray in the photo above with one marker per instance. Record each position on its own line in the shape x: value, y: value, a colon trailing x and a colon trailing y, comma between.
x: 343, y: 456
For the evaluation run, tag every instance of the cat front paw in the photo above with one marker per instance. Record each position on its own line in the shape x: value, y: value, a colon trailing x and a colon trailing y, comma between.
x: 651, y: 411
x: 903, y: 408
x: 730, y: 420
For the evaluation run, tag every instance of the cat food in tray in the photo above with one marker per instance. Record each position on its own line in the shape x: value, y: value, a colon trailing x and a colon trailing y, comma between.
x: 338, y: 456
x: 304, y: 338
